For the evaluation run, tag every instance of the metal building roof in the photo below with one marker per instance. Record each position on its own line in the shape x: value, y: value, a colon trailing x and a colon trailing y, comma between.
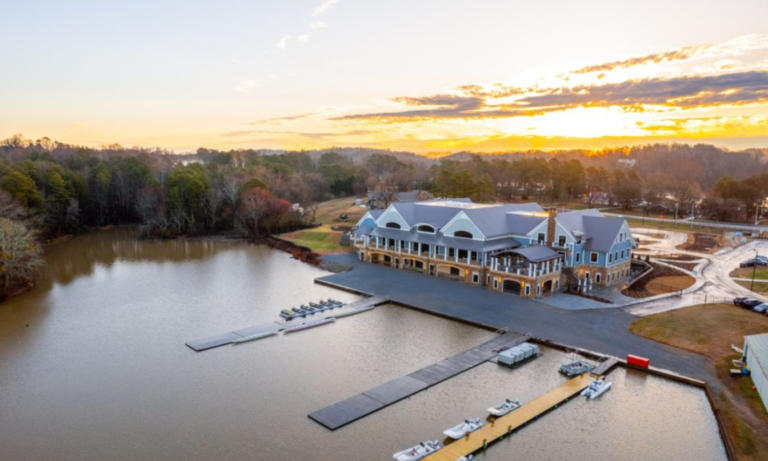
x: 758, y: 347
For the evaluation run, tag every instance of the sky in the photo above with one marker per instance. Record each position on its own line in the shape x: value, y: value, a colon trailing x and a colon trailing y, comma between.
x: 423, y: 76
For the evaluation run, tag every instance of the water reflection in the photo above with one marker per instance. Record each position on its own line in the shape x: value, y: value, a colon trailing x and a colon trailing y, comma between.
x: 101, y: 373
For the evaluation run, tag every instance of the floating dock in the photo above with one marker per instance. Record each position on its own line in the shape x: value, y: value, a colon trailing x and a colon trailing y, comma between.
x: 504, y: 425
x: 605, y: 366
x: 361, y: 405
x: 204, y: 344
x: 228, y: 338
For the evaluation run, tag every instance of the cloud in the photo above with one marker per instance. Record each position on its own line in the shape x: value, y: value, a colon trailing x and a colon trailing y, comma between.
x: 321, y: 135
x: 695, y: 91
x: 327, y: 5
x: 304, y: 38
x: 675, y: 55
x: 317, y: 25
x: 474, y: 102
x: 283, y: 42
x: 735, y: 47
x: 281, y: 120
x: 245, y: 86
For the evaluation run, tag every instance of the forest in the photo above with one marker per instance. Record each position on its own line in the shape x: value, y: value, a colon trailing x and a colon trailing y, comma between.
x: 50, y: 189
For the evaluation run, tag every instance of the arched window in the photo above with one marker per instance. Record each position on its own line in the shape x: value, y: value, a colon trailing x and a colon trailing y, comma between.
x: 463, y: 234
x: 393, y: 225
x: 426, y: 228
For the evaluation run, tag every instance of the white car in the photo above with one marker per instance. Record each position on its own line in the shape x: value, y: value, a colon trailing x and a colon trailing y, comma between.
x: 761, y: 308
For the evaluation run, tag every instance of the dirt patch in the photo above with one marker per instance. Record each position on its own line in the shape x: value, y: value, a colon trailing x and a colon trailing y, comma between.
x: 710, y: 330
x: 303, y: 254
x: 341, y: 228
x: 669, y: 284
x: 640, y: 288
x: 703, y: 243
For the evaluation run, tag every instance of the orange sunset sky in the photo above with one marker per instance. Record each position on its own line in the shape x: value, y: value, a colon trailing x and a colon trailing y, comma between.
x: 422, y: 76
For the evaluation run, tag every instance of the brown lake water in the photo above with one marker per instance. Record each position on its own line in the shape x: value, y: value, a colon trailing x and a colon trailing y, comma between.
x: 93, y: 366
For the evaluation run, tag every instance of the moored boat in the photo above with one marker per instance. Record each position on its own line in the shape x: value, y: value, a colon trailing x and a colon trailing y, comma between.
x: 460, y: 430
x: 576, y: 368
x: 596, y: 388
x: 502, y: 409
x: 299, y: 311
x: 417, y: 451
x: 286, y: 314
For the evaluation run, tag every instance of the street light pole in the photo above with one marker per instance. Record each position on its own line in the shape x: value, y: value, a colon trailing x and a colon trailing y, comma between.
x: 754, y: 269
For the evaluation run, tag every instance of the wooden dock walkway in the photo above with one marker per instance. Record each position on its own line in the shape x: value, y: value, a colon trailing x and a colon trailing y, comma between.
x: 204, y: 344
x: 501, y: 427
x: 361, y: 405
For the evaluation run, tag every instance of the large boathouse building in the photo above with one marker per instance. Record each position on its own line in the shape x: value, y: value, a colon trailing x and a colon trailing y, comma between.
x: 515, y: 248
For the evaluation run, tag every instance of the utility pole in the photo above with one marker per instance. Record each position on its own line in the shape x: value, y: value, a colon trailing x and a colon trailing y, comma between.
x: 754, y: 269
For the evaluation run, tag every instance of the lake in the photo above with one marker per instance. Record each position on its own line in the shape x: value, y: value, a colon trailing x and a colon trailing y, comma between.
x: 93, y: 366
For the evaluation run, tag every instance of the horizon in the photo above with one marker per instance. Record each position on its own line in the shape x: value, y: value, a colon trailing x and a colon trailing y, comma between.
x: 310, y: 75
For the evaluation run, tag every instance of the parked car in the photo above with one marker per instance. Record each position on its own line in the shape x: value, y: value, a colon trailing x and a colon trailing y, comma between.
x: 750, y: 303
x: 753, y: 262
x: 762, y: 258
x: 761, y: 308
x: 739, y: 301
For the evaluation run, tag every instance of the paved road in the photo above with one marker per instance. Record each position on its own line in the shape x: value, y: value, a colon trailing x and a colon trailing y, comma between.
x: 605, y: 330
x: 713, y: 273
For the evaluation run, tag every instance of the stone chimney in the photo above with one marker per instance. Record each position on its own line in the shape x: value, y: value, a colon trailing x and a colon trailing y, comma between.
x: 551, y: 225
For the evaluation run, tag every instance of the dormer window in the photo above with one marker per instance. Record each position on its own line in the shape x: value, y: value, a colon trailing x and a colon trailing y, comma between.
x: 392, y: 225
x: 463, y: 234
x: 426, y: 228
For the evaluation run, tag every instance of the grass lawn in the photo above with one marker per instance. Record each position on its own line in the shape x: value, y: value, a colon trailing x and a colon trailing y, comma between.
x: 324, y: 239
x: 761, y: 273
x: 709, y: 330
x: 759, y: 287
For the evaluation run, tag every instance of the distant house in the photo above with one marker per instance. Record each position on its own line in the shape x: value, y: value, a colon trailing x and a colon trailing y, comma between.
x: 513, y: 248
x: 756, y: 357
x: 380, y: 199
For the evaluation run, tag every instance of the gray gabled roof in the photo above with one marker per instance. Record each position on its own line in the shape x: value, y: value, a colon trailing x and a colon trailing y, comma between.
x: 495, y: 221
x: 453, y: 242
x: 758, y: 348
x: 411, y: 196
x: 536, y: 253
x: 574, y: 220
x: 523, y: 224
x: 601, y: 232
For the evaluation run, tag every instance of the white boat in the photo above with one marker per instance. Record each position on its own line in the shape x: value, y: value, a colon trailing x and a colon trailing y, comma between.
x: 467, y: 426
x: 255, y: 337
x: 417, y: 451
x: 314, y: 323
x: 502, y: 409
x: 576, y: 368
x: 596, y: 388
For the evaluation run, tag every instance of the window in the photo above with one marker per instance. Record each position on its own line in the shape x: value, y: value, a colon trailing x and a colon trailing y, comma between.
x: 538, y: 290
x: 622, y: 254
x: 527, y: 289
x: 392, y: 225
x: 578, y: 257
x: 598, y: 278
x: 425, y: 228
x: 610, y: 258
x: 561, y: 241
x: 463, y: 234
x: 495, y: 283
x: 475, y: 277
x: 542, y: 238
x: 592, y: 257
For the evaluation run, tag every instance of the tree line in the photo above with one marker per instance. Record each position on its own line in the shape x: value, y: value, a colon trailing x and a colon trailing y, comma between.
x: 49, y: 188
